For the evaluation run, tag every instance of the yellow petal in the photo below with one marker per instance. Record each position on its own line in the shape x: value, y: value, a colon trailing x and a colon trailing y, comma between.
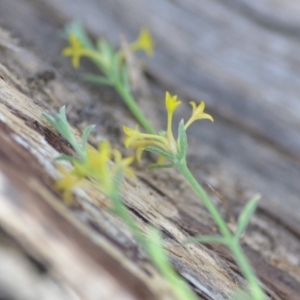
x: 171, y: 106
x: 74, y: 41
x: 122, y: 163
x: 139, y: 152
x: 68, y: 181
x: 198, y: 113
x: 171, y: 103
x: 144, y: 42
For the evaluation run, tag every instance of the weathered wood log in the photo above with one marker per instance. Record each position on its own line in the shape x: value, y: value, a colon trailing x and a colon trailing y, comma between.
x: 83, y: 242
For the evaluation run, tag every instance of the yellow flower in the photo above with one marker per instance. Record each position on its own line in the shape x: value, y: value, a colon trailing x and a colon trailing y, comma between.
x: 76, y: 50
x: 67, y: 183
x: 139, y: 140
x: 198, y: 113
x: 97, y: 165
x: 165, y: 141
x: 123, y: 164
x: 171, y: 106
x: 144, y: 42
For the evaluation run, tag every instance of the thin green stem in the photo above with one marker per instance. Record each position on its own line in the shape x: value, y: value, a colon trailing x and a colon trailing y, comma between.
x: 249, y: 274
x: 159, y: 259
x: 126, y: 96
x: 121, y: 210
x: 229, y: 239
x: 77, y: 148
x: 133, y: 107
x: 183, y: 168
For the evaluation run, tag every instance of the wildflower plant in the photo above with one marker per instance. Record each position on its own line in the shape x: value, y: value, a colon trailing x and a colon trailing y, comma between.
x: 111, y: 63
x: 60, y: 123
x: 164, y: 143
x: 89, y: 162
x: 174, y: 150
x: 94, y: 166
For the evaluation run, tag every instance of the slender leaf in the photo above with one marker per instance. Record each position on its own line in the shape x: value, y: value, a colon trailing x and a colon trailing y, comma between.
x: 97, y: 79
x: 76, y: 28
x: 159, y: 152
x: 162, y: 133
x: 49, y: 119
x: 105, y: 48
x: 66, y: 157
x: 182, y: 140
x: 245, y: 215
x: 62, y: 115
x: 160, y: 166
x: 159, y: 256
x: 59, y: 121
x: 125, y: 78
x: 85, y: 135
x: 116, y: 66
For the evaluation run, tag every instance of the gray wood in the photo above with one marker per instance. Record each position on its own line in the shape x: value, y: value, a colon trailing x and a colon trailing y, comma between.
x: 242, y: 59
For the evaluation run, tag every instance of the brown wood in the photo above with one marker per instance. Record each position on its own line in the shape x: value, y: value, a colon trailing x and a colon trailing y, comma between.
x: 241, y: 59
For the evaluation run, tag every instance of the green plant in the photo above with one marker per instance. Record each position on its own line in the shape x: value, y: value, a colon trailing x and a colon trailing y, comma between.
x: 60, y: 123
x: 113, y: 66
x: 111, y: 63
x: 167, y: 148
x: 92, y: 166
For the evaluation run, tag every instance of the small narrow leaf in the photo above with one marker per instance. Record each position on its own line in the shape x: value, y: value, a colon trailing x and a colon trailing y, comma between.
x: 116, y: 66
x: 77, y: 29
x: 58, y: 121
x: 159, y: 152
x: 106, y: 49
x: 62, y: 115
x: 66, y: 157
x: 93, y: 78
x: 85, y: 135
x: 160, y: 166
x: 158, y: 254
x: 182, y: 140
x: 103, y: 46
x: 161, y: 133
x: 49, y: 119
x: 125, y: 78
x: 206, y: 239
x: 245, y: 215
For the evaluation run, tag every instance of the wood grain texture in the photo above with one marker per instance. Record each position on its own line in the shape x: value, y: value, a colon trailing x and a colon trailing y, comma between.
x: 202, y: 51
x: 27, y: 161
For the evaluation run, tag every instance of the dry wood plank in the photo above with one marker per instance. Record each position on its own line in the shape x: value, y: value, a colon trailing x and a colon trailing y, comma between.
x: 27, y: 155
x: 155, y: 208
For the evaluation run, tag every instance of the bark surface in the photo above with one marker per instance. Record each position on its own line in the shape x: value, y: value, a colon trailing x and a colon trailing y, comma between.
x: 241, y: 58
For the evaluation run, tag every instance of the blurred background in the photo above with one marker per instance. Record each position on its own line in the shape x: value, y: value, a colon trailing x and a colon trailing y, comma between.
x: 239, y: 56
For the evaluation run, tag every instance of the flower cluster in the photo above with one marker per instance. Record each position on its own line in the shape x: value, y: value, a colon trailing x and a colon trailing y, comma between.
x: 165, y: 143
x: 104, y: 53
x: 76, y: 50
x: 97, y: 165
